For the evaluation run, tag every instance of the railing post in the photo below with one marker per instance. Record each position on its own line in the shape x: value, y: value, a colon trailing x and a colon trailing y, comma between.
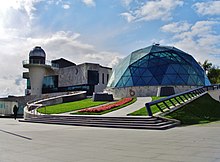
x: 147, y: 105
x: 172, y: 102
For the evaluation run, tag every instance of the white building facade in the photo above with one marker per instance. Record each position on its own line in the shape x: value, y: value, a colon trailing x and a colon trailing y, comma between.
x: 62, y: 75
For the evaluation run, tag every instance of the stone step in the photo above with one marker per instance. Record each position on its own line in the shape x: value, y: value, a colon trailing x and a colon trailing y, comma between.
x: 106, y: 122
x: 100, y: 120
x: 98, y: 117
x: 112, y: 122
x: 113, y: 125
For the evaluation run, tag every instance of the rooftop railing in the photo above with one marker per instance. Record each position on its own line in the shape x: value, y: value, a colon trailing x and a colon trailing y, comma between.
x: 179, y: 99
x: 40, y: 62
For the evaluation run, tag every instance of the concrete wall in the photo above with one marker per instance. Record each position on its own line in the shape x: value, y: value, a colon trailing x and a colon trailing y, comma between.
x: 139, y: 91
x: 78, y: 75
x: 142, y: 91
x: 100, y: 87
x: 29, y: 109
x: 73, y: 75
x: 36, y: 74
x: 21, y: 101
x: 63, y: 98
x: 6, y: 107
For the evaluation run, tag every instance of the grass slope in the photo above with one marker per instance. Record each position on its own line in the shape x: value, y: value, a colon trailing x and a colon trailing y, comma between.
x: 70, y: 106
x: 154, y: 108
x: 202, y: 110
x: 143, y: 112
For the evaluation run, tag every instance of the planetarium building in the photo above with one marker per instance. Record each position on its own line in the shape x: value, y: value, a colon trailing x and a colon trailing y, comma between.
x: 156, y: 70
x: 61, y: 75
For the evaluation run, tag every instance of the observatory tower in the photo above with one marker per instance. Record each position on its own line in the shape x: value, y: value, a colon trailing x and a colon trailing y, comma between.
x: 38, y: 68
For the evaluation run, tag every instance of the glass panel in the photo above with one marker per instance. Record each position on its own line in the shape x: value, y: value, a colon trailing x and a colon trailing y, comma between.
x: 166, y: 81
x: 141, y: 71
x: 125, y: 79
x: 159, y: 78
x: 170, y: 70
x: 153, y: 81
x: 179, y: 80
x: 50, y: 82
x: 153, y: 70
x: 182, y: 70
x: 172, y: 79
x: 147, y: 73
x: 146, y: 80
x: 190, y: 81
x: 140, y: 82
x: 127, y: 73
x: 120, y: 84
x: 185, y: 78
x: 28, y: 84
x: 135, y: 80
x: 129, y: 82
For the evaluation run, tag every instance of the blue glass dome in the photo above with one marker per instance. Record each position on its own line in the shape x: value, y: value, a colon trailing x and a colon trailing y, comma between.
x: 158, y: 66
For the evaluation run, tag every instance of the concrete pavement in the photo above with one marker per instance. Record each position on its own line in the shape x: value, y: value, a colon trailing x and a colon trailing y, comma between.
x: 20, y: 142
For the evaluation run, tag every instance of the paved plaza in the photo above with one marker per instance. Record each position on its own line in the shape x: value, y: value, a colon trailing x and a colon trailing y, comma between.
x: 21, y: 142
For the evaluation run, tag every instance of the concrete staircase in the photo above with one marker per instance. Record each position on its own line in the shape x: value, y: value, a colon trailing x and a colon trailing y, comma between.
x: 112, y: 122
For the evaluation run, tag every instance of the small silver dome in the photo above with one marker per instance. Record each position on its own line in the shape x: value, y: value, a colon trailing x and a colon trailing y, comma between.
x: 37, y: 51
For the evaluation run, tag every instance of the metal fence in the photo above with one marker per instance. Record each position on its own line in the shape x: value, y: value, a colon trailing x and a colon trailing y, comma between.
x: 178, y: 99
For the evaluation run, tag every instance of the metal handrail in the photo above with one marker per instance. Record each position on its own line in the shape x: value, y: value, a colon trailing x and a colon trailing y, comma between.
x: 184, y: 97
x: 40, y: 62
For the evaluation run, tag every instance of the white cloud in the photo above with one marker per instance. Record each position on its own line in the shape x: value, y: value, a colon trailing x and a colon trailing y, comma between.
x: 90, y: 3
x: 153, y: 10
x: 66, y: 6
x: 176, y: 27
x: 26, y: 6
x: 129, y: 17
x: 207, y: 8
x: 16, y: 17
x: 200, y: 40
x: 126, y: 2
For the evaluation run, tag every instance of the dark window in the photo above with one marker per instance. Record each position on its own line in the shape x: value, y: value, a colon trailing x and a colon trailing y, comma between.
x: 103, y: 78
x: 28, y: 84
x: 50, y: 81
x: 107, y: 77
x: 93, y: 77
x: 88, y: 88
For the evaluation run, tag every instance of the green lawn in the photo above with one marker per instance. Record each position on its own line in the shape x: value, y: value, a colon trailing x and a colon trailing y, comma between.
x: 143, y: 112
x: 107, y: 111
x: 70, y: 106
x: 202, y: 110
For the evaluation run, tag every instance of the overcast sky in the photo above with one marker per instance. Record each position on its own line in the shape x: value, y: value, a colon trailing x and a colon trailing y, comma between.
x: 102, y: 31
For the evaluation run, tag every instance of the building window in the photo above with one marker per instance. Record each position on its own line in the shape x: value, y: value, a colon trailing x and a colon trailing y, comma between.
x: 93, y: 77
x: 28, y: 84
x: 50, y: 81
x: 107, y: 77
x: 103, y: 78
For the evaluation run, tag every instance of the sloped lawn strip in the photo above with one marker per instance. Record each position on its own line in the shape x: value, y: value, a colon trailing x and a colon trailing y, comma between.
x: 119, y: 106
x: 70, y: 106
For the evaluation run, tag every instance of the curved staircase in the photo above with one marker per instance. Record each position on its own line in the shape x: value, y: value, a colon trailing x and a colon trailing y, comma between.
x: 112, y: 122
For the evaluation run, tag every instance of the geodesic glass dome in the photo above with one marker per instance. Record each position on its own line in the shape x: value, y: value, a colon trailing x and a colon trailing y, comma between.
x: 158, y: 66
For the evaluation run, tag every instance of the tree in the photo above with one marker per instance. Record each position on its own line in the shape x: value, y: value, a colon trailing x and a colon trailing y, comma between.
x: 214, y: 75
x: 206, y: 66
